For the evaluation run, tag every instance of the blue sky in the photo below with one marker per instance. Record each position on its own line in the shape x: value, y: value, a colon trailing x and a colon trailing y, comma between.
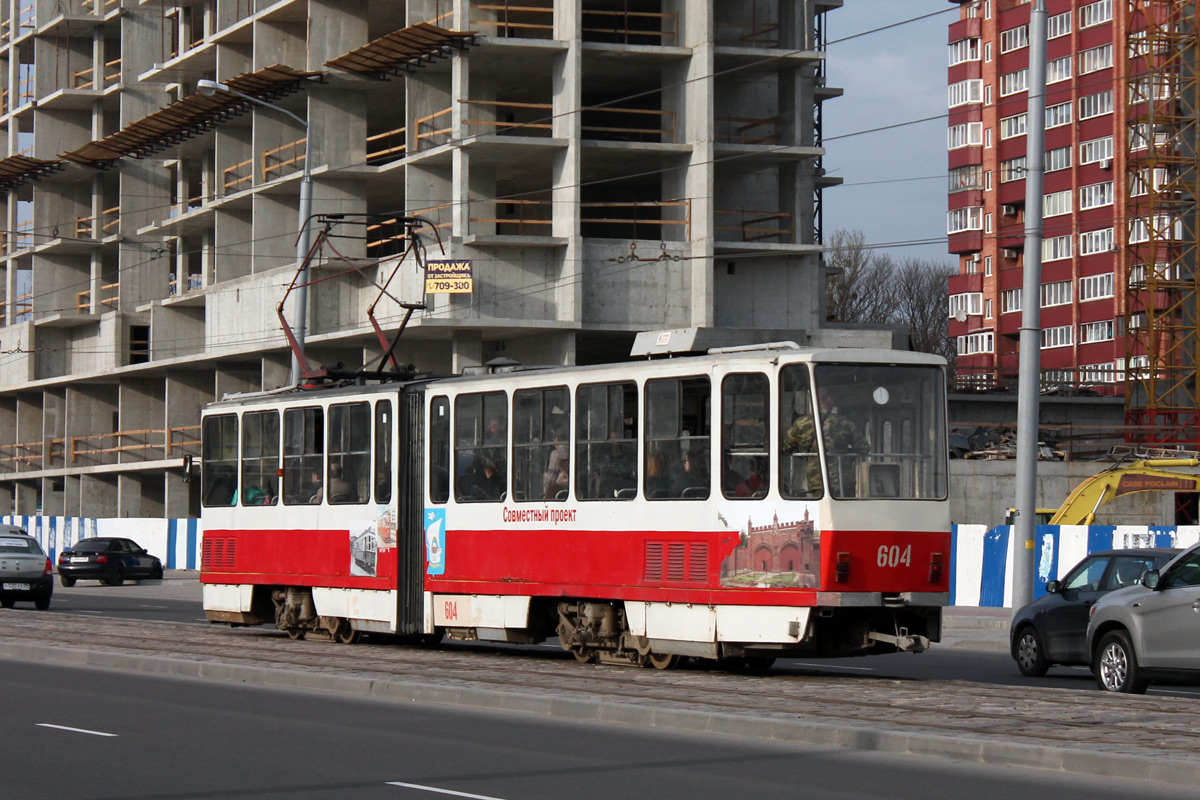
x: 889, y: 77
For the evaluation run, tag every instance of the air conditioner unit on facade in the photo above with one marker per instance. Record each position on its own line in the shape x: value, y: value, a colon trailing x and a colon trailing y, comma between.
x: 1010, y: 209
x: 1106, y: 163
x: 1011, y: 253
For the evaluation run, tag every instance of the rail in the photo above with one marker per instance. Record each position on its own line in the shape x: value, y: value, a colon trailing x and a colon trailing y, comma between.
x: 389, y: 145
x: 83, y: 79
x: 755, y: 226
x: 194, y: 282
x: 628, y: 131
x: 748, y: 130
x: 629, y: 27
x: 504, y: 126
x: 83, y: 300
x: 629, y: 224
x: 751, y: 32
x: 109, y: 219
x: 512, y: 20
x: 233, y: 177
x: 289, y: 157
x: 516, y: 217
x: 427, y: 129
x: 23, y: 307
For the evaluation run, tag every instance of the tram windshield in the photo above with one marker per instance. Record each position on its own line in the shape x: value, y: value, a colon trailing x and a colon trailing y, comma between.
x: 882, y: 432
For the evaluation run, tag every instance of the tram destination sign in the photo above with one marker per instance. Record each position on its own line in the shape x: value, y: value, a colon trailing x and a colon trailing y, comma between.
x: 448, y: 277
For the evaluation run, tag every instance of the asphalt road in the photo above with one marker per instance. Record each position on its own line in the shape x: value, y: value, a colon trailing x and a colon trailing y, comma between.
x: 74, y: 733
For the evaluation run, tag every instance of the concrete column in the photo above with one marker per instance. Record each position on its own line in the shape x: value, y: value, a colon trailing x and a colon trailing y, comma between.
x: 467, y: 350
x: 567, y: 87
x: 54, y: 496
x: 25, y: 500
x: 695, y: 118
x: 98, y: 494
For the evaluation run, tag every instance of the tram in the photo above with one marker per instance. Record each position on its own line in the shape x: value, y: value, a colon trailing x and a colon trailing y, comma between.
x: 742, y: 505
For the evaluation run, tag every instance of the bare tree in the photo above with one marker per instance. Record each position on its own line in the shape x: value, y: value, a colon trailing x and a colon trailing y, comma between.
x: 859, y: 285
x: 870, y: 287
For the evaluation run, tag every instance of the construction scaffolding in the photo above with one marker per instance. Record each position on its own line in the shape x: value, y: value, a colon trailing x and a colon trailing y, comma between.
x: 1162, y: 312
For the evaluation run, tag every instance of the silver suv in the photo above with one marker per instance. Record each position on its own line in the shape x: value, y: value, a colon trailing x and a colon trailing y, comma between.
x: 1150, y: 630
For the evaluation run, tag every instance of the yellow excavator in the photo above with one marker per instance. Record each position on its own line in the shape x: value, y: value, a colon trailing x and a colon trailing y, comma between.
x: 1145, y: 475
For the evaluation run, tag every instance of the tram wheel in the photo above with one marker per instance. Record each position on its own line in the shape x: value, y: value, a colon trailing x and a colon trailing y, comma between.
x: 662, y: 661
x: 346, y: 634
x: 583, y: 656
x: 295, y: 633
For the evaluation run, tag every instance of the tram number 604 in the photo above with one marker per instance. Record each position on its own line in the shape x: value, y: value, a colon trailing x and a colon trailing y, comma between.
x: 893, y: 556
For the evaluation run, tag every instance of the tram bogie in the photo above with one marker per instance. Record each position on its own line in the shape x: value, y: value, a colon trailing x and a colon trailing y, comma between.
x: 737, y: 508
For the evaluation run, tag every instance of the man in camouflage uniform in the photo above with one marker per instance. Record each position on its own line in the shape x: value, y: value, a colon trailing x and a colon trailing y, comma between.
x: 841, y: 439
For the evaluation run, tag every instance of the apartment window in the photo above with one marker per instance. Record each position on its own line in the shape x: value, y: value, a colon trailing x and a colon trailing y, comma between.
x: 1014, y: 39
x: 1056, y: 248
x: 1095, y: 14
x: 1153, y: 87
x: 1096, y: 332
x: 987, y: 138
x: 964, y: 219
x: 987, y: 181
x: 1098, y: 373
x: 987, y: 223
x: 1060, y: 336
x: 1058, y: 158
x: 1096, y: 287
x: 987, y: 308
x: 1096, y: 195
x: 987, y: 265
x: 987, y: 52
x: 1163, y: 271
x: 1058, y: 25
x: 964, y: 135
x: 987, y: 9
x: 968, y: 303
x: 1056, y: 203
x: 969, y: 345
x: 963, y: 92
x: 1164, y: 226
x: 1058, y: 69
x: 1096, y: 150
x: 1058, y: 115
x: 964, y: 50
x: 987, y: 95
x: 1141, y: 133
x: 1010, y: 300
x: 1013, y: 82
x: 1012, y: 170
x: 1056, y: 294
x: 1142, y: 180
x: 1096, y: 105
x: 1011, y: 127
x: 1097, y: 58
x: 968, y: 177
x: 1093, y: 242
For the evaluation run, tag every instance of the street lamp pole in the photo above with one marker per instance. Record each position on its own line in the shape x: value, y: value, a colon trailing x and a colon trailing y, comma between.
x: 304, y: 240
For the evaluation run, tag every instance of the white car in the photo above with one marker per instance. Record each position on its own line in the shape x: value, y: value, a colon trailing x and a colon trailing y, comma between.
x: 1150, y: 630
x: 25, y: 571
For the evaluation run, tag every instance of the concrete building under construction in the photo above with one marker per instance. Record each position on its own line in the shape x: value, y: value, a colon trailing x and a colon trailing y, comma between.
x: 606, y: 167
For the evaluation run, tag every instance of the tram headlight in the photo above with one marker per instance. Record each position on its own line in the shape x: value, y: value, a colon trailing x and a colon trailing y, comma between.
x: 935, y: 568
x: 841, y: 572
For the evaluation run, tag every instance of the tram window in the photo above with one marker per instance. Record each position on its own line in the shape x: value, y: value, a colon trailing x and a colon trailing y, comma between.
x: 220, y: 460
x: 606, y: 425
x: 541, y: 444
x: 677, y: 438
x: 799, y: 464
x: 439, y: 450
x: 883, y: 430
x: 480, y: 447
x: 348, y: 477
x: 260, y: 458
x: 303, y: 451
x: 383, y: 451
x: 745, y: 449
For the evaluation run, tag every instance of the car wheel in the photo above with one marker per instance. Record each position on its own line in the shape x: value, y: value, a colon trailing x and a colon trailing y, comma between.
x: 117, y: 577
x: 66, y: 581
x: 1031, y: 658
x: 42, y: 602
x: 156, y: 574
x: 7, y: 603
x: 1116, y: 665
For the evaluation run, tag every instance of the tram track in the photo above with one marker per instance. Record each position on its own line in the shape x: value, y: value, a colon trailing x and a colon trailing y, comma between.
x: 1159, y: 726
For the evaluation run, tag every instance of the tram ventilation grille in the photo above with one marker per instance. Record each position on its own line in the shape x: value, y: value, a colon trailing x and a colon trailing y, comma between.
x: 218, y: 553
x: 677, y: 562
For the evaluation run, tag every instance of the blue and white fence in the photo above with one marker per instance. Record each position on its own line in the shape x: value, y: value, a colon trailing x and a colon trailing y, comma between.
x: 981, y: 558
x: 175, y: 541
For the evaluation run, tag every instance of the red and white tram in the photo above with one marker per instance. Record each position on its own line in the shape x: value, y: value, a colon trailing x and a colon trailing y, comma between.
x: 742, y: 505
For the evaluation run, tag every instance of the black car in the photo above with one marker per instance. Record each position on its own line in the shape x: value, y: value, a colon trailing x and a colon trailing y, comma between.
x: 108, y: 559
x: 25, y: 572
x: 1052, y: 630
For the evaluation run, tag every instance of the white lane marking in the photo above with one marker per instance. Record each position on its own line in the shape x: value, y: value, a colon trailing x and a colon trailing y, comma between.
x: 89, y: 612
x: 73, y: 730
x: 436, y: 790
x: 1175, y: 692
x: 143, y: 605
x: 830, y: 666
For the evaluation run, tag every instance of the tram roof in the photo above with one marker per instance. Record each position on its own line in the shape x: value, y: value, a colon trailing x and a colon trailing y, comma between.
x: 675, y: 365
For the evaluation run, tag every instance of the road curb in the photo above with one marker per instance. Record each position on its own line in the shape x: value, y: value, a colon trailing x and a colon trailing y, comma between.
x: 648, y: 714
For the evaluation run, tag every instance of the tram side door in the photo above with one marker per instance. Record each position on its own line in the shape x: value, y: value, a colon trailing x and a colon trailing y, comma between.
x: 410, y: 527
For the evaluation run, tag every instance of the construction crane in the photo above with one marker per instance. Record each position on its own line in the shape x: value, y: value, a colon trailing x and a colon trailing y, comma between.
x: 1162, y: 309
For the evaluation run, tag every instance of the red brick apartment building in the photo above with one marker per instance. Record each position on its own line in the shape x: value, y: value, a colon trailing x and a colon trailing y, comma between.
x: 1084, y: 202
